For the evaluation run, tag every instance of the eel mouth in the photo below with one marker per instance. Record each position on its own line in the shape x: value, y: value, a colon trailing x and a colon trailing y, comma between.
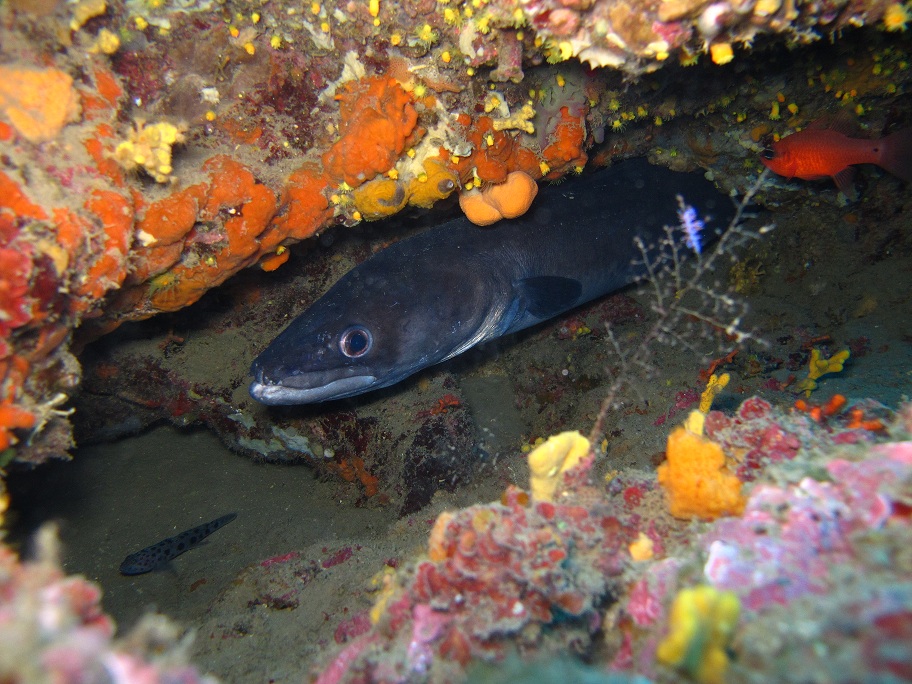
x: 308, y: 389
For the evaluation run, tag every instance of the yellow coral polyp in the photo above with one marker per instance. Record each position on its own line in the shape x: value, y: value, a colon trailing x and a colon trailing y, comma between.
x: 642, y: 549
x: 107, y: 43
x: 897, y: 17
x: 149, y: 148
x: 721, y: 53
x: 558, y: 51
x: 688, y: 58
x: 85, y: 10
x: 700, y: 628
x: 694, y: 476
x: 549, y: 461
x: 493, y: 102
x: 162, y: 282
x: 774, y: 112
x: 427, y: 36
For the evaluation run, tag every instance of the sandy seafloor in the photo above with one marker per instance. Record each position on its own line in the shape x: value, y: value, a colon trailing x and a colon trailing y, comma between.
x: 842, y: 271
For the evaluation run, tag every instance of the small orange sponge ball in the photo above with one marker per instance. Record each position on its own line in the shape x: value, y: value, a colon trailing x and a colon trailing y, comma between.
x: 695, y: 479
x: 509, y: 199
x: 476, y: 208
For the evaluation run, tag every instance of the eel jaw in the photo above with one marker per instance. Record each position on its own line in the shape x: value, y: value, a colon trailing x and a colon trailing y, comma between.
x: 301, y: 392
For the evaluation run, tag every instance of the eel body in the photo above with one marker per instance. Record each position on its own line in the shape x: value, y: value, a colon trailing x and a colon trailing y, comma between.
x: 430, y: 297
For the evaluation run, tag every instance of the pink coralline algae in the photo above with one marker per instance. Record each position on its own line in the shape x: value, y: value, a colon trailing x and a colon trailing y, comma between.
x: 355, y: 626
x: 756, y: 435
x: 790, y: 538
x: 822, y: 543
x: 15, y: 272
x: 338, y: 557
x: 683, y: 400
x: 492, y: 572
x: 53, y: 629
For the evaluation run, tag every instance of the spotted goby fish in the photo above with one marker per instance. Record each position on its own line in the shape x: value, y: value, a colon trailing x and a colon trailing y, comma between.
x: 157, y: 555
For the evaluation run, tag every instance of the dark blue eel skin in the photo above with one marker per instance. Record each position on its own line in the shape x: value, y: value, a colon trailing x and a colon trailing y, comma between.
x: 430, y: 297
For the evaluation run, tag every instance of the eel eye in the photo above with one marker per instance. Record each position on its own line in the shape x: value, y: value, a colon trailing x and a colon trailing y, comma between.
x: 768, y: 153
x: 355, y: 342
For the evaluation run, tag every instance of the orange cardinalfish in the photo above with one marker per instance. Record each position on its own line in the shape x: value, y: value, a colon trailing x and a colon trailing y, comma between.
x: 822, y: 150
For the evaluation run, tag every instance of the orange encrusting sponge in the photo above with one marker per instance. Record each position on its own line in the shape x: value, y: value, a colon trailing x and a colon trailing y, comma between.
x: 696, y: 480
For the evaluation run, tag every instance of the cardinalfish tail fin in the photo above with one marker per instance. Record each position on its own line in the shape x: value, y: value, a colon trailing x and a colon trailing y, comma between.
x: 896, y: 154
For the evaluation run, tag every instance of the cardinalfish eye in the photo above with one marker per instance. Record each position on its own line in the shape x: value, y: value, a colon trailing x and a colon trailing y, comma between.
x: 768, y: 153
x: 355, y: 342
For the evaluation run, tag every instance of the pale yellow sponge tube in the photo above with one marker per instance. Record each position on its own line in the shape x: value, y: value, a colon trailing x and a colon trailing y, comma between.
x: 549, y: 461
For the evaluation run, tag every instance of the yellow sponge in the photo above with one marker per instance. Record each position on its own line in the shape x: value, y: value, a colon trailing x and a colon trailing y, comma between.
x: 696, y: 480
x: 549, y: 461
x: 700, y: 627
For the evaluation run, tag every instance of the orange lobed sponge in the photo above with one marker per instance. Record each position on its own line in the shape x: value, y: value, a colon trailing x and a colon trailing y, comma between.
x: 162, y: 231
x: 13, y: 372
x: 509, y: 199
x: 100, y: 147
x: 15, y: 302
x: 566, y: 151
x: 232, y: 188
x: 306, y: 208
x: 108, y: 270
x: 101, y: 102
x: 15, y: 202
x: 272, y: 261
x: 252, y: 225
x: 494, y: 153
x: 695, y: 478
x: 11, y: 418
x: 377, y: 118
x: 37, y: 102
x: 171, y: 218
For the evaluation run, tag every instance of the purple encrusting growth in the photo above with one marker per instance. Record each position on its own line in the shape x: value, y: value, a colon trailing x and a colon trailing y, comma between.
x: 155, y: 556
x: 690, y: 224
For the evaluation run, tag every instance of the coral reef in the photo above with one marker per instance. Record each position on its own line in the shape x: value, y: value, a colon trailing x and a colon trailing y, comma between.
x: 151, y: 152
x: 492, y: 573
x: 547, y: 574
x: 53, y: 629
